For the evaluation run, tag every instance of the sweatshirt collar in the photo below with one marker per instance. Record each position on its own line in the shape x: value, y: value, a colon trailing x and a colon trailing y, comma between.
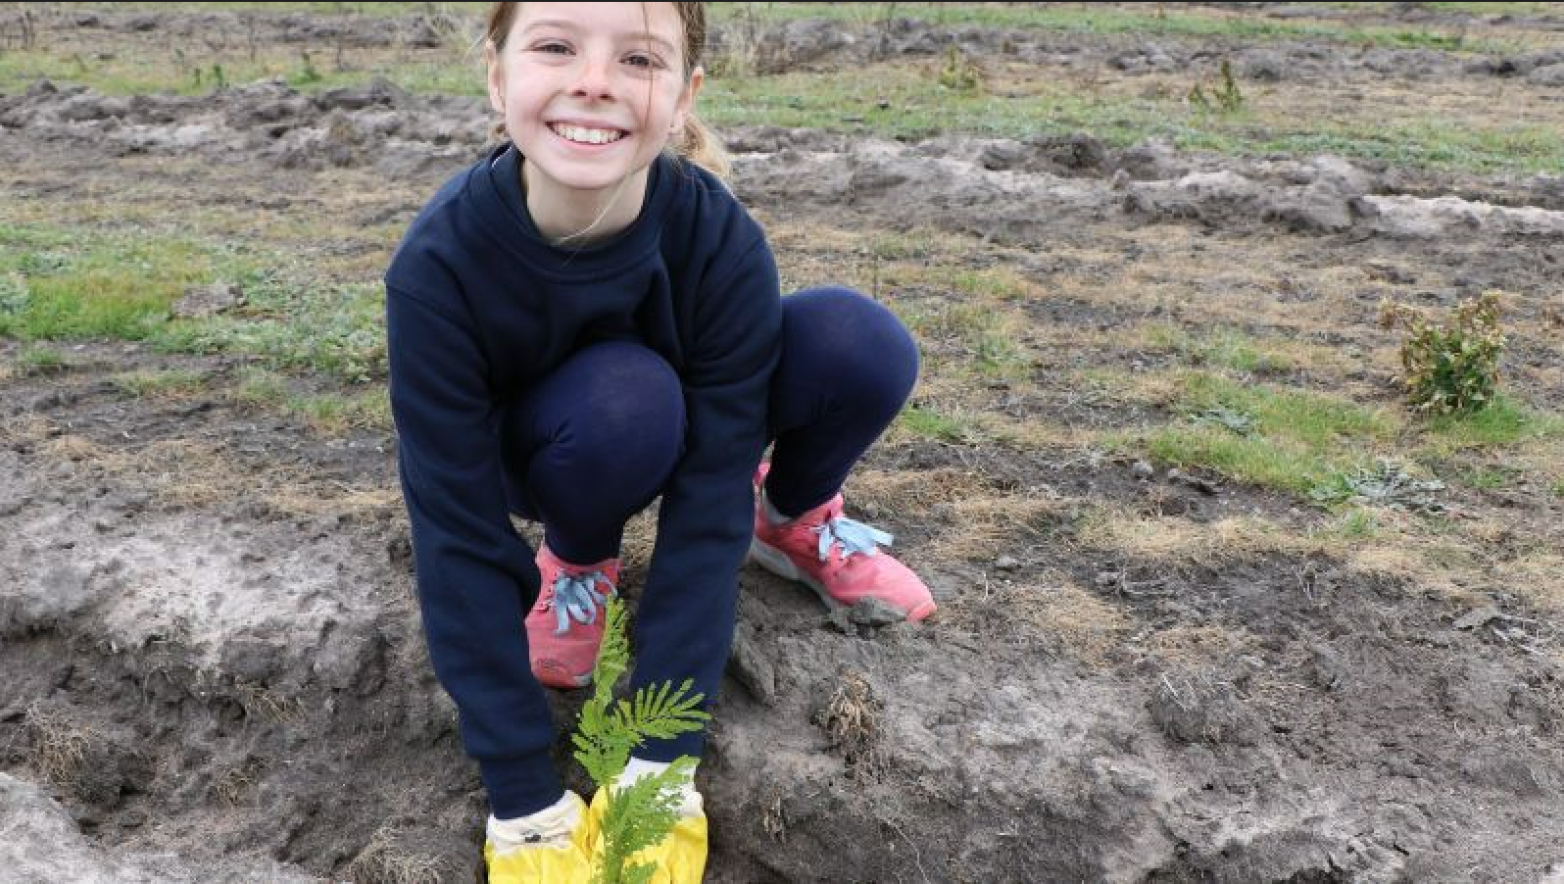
x: 495, y: 185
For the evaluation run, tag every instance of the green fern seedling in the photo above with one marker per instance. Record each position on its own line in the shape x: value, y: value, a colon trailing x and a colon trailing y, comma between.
x: 643, y: 813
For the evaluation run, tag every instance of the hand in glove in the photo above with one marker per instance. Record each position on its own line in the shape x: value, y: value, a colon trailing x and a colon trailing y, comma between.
x: 552, y: 846
x: 680, y: 858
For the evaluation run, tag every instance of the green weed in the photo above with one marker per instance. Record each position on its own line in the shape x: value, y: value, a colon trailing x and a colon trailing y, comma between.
x: 930, y: 424
x: 1451, y: 367
x: 1357, y: 524
x: 152, y: 384
x: 38, y: 359
x: 1221, y: 93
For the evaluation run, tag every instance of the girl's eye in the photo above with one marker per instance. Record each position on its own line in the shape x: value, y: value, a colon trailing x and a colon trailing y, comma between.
x: 552, y: 48
x: 641, y: 60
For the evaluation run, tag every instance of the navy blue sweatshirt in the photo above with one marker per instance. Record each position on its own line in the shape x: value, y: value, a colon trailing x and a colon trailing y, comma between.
x: 479, y: 306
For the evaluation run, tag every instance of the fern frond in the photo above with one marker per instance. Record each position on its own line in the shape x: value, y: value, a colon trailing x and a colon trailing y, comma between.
x: 644, y: 812
x: 659, y: 712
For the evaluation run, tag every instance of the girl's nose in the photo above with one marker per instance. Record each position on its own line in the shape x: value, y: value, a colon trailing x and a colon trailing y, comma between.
x: 594, y: 82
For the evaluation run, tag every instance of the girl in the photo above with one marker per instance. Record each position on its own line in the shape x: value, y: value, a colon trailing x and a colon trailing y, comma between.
x: 581, y: 322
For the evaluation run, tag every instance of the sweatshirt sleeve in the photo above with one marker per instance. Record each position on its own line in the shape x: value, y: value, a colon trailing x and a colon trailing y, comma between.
x: 475, y: 575
x: 684, y: 627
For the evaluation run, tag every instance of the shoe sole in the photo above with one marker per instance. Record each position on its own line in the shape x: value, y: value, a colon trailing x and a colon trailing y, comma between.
x: 777, y: 562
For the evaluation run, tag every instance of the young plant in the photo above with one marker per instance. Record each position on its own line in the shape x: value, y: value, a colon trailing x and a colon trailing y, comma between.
x: 1224, y: 93
x: 643, y: 813
x: 1451, y: 367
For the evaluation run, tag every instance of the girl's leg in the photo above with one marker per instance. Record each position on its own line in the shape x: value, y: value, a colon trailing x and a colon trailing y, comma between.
x: 847, y: 368
x: 590, y: 445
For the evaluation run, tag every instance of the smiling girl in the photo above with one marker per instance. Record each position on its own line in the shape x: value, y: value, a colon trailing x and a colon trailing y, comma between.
x: 581, y: 322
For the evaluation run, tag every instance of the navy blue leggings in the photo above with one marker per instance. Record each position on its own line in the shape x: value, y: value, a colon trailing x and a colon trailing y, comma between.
x: 593, y: 443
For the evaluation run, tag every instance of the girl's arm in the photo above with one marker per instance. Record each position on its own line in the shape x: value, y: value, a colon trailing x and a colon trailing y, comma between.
x: 475, y: 576
x: 685, y: 623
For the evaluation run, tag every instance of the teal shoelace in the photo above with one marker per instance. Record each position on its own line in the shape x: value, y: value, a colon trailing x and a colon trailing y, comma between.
x: 852, y: 537
x: 576, y: 598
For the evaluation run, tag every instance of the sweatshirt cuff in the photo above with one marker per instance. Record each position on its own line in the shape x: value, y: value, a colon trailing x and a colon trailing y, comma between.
x: 520, y: 786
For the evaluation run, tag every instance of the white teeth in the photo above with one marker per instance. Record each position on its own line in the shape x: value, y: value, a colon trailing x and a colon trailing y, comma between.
x: 587, y: 136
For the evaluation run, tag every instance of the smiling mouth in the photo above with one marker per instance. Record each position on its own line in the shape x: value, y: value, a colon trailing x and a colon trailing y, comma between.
x: 585, y: 135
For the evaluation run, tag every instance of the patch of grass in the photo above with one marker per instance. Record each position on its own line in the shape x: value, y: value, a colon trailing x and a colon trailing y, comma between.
x: 922, y: 421
x: 337, y: 413
x: 1503, y: 422
x: 154, y: 384
x: 1265, y: 462
x: 297, y: 324
x: 38, y: 359
x: 73, y: 284
x: 1558, y: 489
x: 1357, y: 524
x: 1092, y: 19
x: 1316, y: 420
x: 987, y: 337
x: 1220, y: 348
x: 1488, y: 478
x: 1277, y: 438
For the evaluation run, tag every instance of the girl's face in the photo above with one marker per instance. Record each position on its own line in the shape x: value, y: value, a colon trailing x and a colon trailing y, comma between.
x: 591, y: 92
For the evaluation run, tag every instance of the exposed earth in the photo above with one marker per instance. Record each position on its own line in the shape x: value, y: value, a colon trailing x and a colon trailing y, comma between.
x: 214, y: 669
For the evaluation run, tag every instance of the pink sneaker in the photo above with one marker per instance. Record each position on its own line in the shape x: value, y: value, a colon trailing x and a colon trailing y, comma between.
x: 565, y: 625
x: 837, y: 557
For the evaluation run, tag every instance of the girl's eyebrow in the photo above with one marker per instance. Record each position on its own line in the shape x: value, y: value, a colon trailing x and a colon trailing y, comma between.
x: 568, y: 25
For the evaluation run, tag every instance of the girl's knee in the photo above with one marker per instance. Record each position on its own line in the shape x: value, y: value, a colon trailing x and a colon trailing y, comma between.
x: 845, y: 331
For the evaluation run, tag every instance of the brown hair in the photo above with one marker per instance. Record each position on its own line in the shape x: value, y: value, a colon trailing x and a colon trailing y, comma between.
x: 696, y: 143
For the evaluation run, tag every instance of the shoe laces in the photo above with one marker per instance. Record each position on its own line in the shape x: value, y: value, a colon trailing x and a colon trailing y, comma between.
x: 575, y: 597
x: 850, y: 537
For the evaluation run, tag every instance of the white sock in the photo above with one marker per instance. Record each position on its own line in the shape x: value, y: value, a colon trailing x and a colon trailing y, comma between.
x: 551, y: 826
x: 690, y: 803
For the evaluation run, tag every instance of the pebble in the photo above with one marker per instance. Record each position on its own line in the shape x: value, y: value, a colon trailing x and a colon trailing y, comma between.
x: 1006, y: 563
x: 1143, y: 470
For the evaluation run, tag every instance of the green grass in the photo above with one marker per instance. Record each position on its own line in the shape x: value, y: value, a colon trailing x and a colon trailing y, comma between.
x: 72, y: 284
x: 80, y: 283
x: 900, y: 100
x: 1091, y: 19
x: 1220, y: 348
x: 296, y: 324
x: 334, y: 413
x: 1294, y: 440
x: 1505, y: 422
x: 152, y: 384
x: 39, y: 359
x: 986, y: 336
x: 1356, y: 524
x: 929, y: 424
x: 129, y: 74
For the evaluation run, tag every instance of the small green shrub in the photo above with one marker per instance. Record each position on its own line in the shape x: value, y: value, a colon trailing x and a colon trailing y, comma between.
x: 959, y: 74
x: 1220, y: 94
x: 1451, y: 367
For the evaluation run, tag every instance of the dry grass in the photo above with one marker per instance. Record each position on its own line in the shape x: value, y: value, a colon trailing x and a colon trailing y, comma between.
x: 385, y: 861
x: 982, y: 528
x: 851, y: 718
x: 1197, y: 646
x: 1176, y: 541
x: 59, y: 745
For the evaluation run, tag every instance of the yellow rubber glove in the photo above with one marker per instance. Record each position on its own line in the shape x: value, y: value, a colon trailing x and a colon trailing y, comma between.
x: 679, y: 858
x: 552, y: 846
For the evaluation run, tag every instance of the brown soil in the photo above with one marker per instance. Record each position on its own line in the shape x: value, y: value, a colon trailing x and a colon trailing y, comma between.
x: 214, y: 663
